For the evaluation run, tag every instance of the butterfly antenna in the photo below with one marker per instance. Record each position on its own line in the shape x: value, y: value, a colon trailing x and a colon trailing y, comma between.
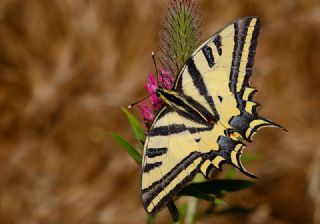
x: 155, y: 67
x: 138, y: 101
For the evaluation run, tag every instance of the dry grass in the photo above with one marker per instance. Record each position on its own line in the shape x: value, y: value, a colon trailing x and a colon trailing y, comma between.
x: 67, y: 66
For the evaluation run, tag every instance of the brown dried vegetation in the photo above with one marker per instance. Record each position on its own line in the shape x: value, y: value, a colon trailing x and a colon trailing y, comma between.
x: 67, y: 66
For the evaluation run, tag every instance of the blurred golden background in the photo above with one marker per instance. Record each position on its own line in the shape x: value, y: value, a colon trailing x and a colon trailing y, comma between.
x: 66, y: 68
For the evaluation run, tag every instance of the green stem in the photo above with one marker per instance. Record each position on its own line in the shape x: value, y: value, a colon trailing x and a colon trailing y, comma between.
x: 193, y: 202
x: 191, y: 211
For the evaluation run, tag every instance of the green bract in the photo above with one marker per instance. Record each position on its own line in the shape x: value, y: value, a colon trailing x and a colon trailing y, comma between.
x: 180, y: 34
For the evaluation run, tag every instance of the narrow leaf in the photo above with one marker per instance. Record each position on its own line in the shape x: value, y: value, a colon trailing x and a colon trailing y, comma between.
x: 219, y: 201
x: 128, y: 147
x: 218, y: 186
x: 174, y: 212
x: 137, y: 130
x: 190, y: 191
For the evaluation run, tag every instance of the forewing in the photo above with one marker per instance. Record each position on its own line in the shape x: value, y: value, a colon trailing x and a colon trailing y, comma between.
x: 217, y: 76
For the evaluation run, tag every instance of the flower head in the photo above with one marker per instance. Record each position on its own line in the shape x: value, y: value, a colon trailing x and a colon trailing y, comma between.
x: 180, y: 35
x: 146, y: 112
x: 166, y: 81
x: 151, y: 87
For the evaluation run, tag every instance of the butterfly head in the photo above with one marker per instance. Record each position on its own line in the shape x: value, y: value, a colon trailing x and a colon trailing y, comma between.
x: 161, y: 93
x: 169, y: 97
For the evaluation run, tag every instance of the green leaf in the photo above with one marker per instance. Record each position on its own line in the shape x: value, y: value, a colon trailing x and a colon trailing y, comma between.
x: 194, y: 192
x: 174, y: 212
x: 136, y: 128
x: 128, y: 147
x: 219, y: 201
x: 218, y: 186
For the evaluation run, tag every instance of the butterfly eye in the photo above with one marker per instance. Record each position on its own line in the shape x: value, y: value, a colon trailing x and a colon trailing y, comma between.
x: 157, y: 94
x: 228, y: 132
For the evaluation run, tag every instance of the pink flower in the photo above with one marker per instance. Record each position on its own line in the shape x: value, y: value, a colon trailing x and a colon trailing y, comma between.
x: 151, y: 87
x: 146, y: 111
x: 166, y: 79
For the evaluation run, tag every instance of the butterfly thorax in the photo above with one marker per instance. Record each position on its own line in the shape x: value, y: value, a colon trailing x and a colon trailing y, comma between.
x: 182, y: 105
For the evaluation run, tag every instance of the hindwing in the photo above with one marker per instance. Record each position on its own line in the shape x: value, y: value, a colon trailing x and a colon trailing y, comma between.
x: 177, y: 148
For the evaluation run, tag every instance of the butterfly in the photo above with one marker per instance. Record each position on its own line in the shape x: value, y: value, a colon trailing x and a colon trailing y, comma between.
x: 208, y: 117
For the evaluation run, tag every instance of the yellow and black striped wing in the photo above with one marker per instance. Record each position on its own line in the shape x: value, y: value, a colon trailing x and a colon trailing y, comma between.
x: 178, y: 147
x: 214, y: 81
x: 171, y: 159
x: 217, y: 76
